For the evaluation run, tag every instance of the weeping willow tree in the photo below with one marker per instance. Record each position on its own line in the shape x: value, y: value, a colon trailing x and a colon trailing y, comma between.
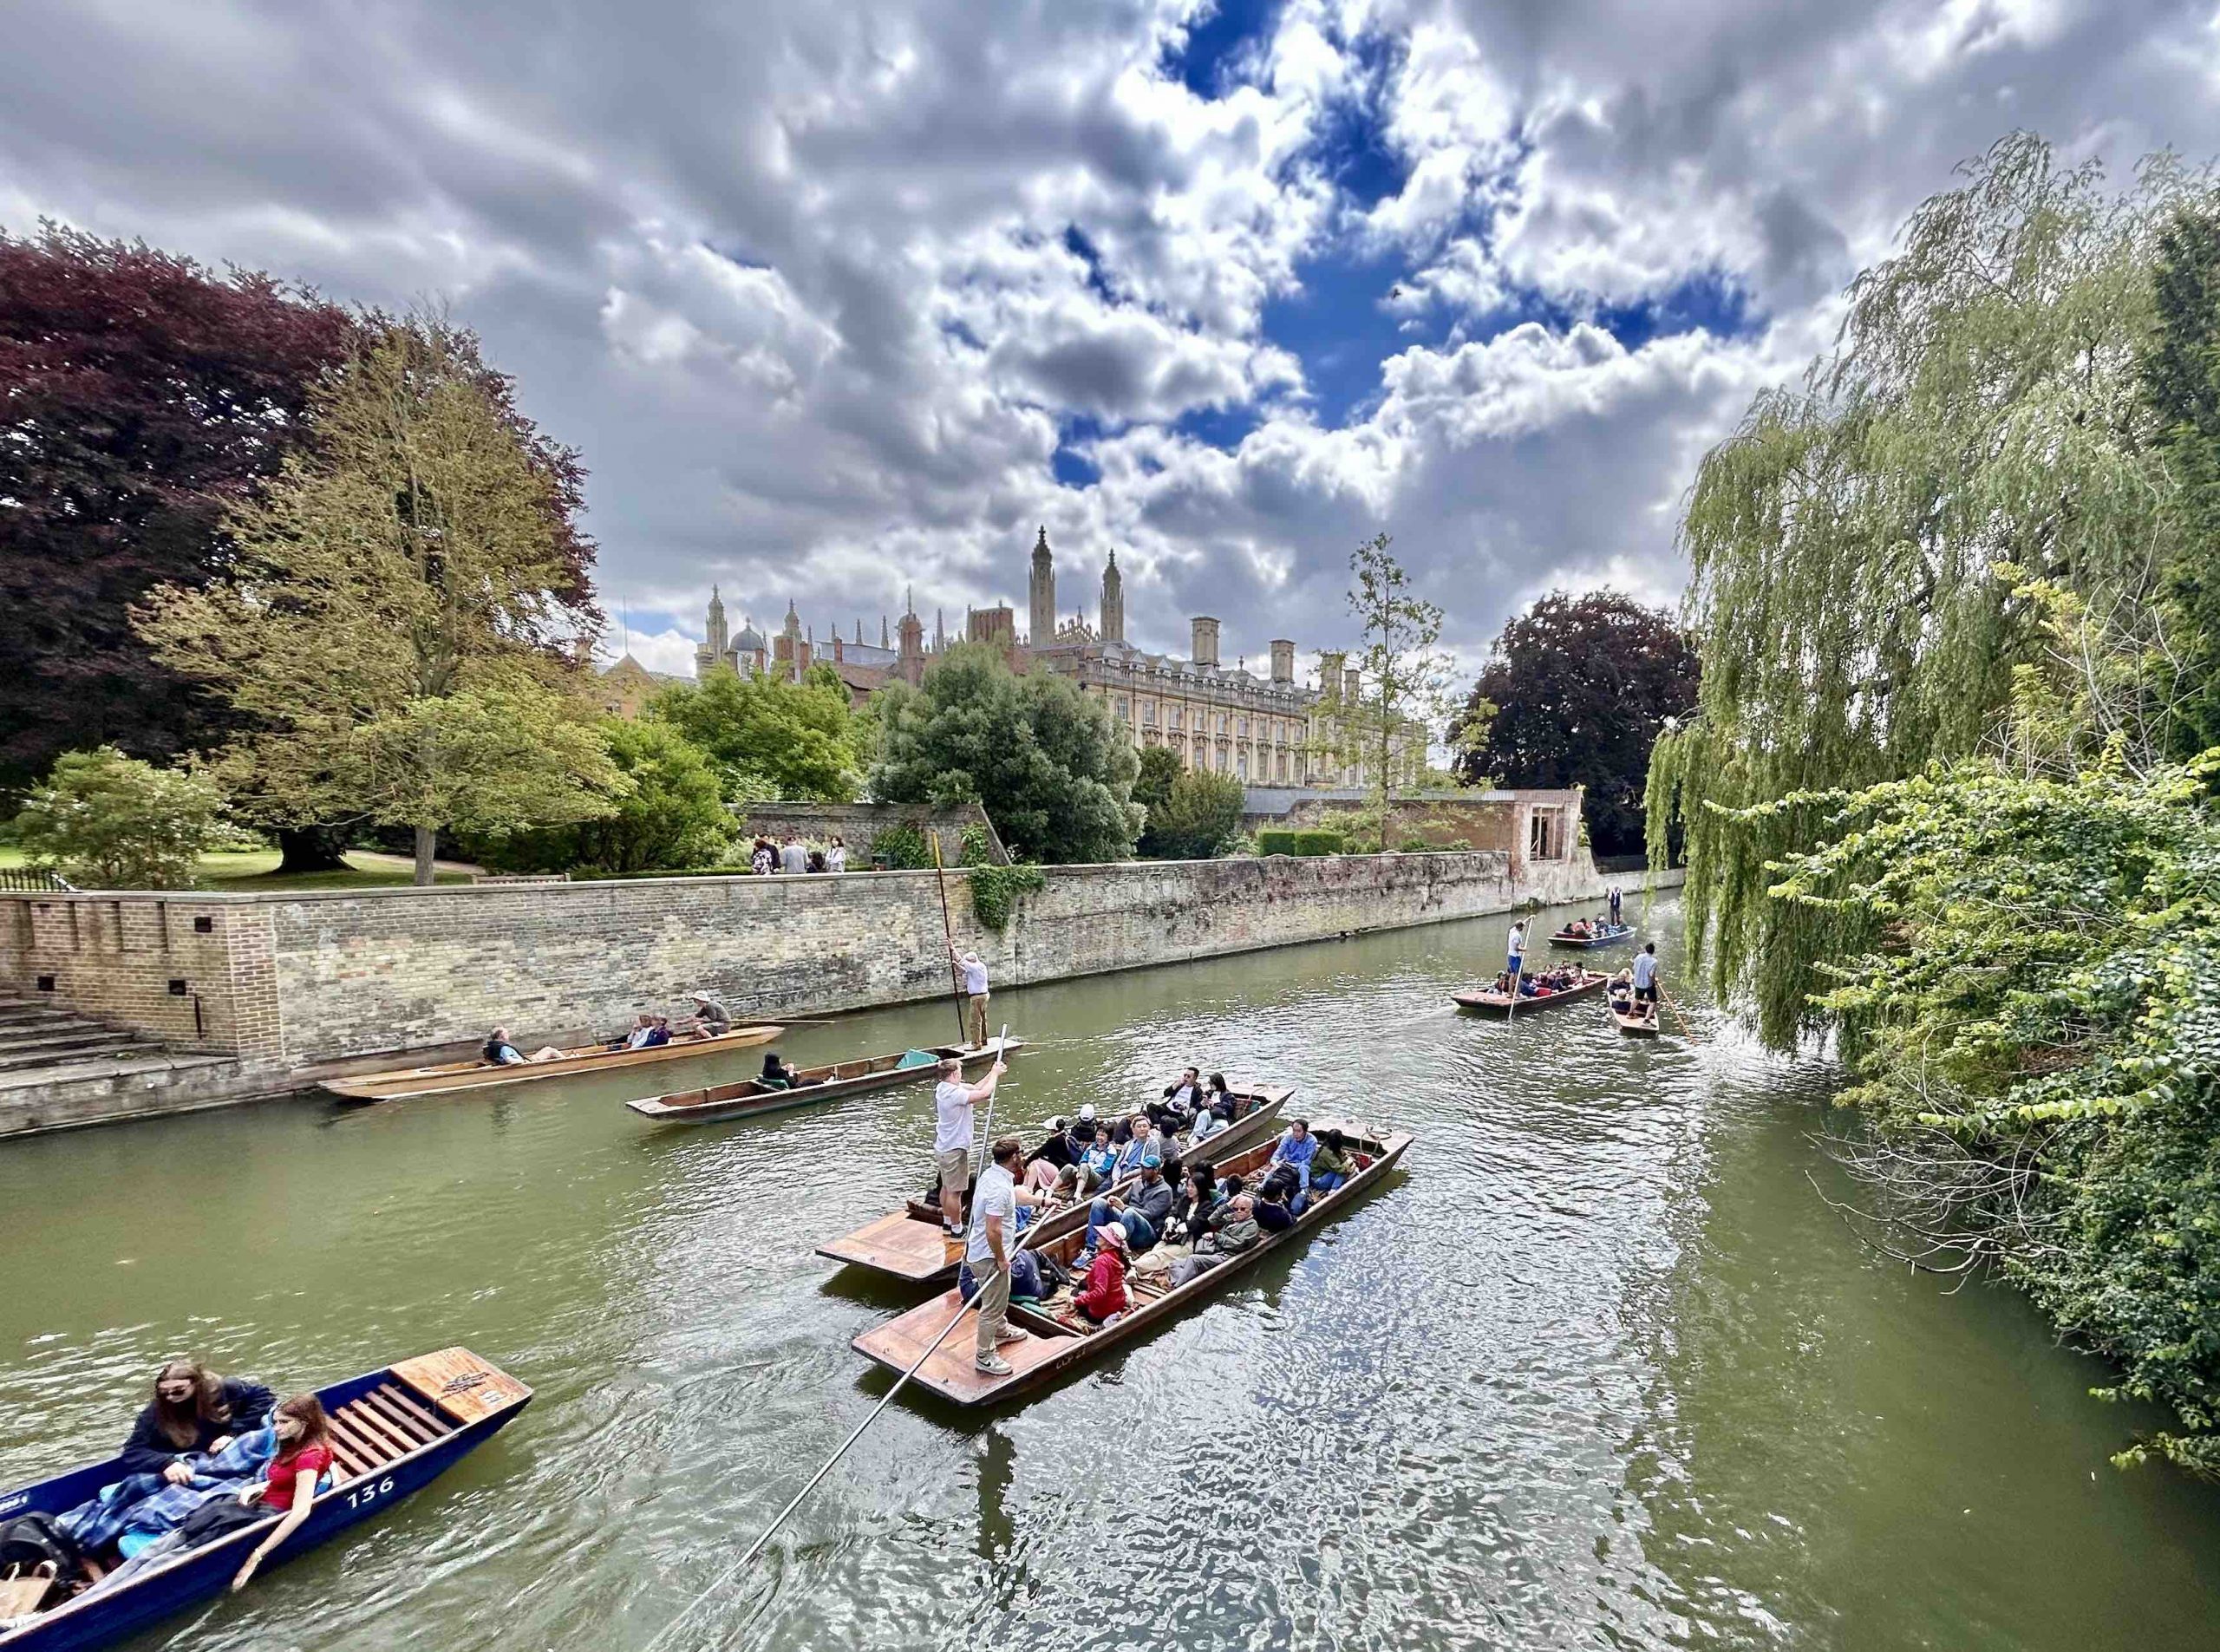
x: 1869, y: 548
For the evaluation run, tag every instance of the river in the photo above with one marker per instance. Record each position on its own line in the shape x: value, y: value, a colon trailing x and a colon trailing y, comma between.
x: 1598, y: 1369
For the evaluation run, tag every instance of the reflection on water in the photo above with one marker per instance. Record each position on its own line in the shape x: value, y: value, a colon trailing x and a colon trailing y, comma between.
x: 1599, y: 1369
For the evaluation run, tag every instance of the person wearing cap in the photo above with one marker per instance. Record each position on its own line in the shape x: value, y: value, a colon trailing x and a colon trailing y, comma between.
x: 987, y: 1251
x: 953, y: 1101
x: 974, y: 970
x: 1141, y: 1211
x: 1102, y: 1298
x: 1079, y: 1134
x: 711, y: 1018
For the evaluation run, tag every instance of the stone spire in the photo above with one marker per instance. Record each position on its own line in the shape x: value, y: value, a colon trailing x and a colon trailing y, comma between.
x: 717, y: 638
x: 1114, y: 602
x: 883, y: 642
x: 940, y: 634
x: 1042, y: 588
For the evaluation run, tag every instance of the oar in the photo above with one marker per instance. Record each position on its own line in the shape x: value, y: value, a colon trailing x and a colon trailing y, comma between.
x: 948, y: 933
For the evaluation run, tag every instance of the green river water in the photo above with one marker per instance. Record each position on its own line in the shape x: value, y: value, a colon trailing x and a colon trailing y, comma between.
x: 1598, y: 1369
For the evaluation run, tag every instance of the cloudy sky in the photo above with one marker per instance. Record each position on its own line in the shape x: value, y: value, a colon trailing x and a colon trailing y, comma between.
x: 836, y: 298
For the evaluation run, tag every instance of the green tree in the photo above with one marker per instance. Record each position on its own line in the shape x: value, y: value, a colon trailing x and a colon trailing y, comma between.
x: 1981, y: 409
x: 405, y: 621
x: 2180, y: 372
x: 1047, y: 763
x: 114, y: 822
x: 1199, y: 818
x: 799, y: 738
x: 674, y: 815
x: 1152, y: 782
x: 1403, y: 675
x: 1577, y: 693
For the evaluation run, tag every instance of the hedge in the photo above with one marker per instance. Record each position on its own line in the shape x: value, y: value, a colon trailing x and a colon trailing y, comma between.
x: 1279, y: 840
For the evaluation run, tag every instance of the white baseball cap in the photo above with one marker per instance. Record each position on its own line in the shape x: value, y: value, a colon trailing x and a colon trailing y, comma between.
x: 1087, y: 1113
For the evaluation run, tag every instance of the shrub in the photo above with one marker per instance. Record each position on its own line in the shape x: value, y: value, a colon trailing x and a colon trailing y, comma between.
x: 1413, y: 845
x: 116, y: 823
x: 1312, y: 840
x: 902, y: 848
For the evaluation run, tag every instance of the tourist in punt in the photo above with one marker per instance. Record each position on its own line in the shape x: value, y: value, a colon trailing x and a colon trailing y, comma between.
x: 711, y: 1019
x: 659, y: 1033
x: 193, y: 1411
x: 502, y: 1052
x: 973, y: 969
x: 1272, y: 1206
x: 1207, y: 1124
x: 1181, y: 1097
x: 1098, y: 1165
x: 1330, y: 1166
x: 1041, y: 1177
x: 1142, y: 1210
x: 635, y: 1034
x: 776, y: 1074
x: 763, y: 859
x: 1218, y: 1097
x: 1192, y: 1208
x: 1296, y: 1148
x: 1102, y: 1295
x: 953, y: 1101
x: 1645, y: 976
x: 1076, y: 1137
x: 1139, y: 1133
x: 1578, y: 929
x: 836, y: 858
x: 993, y: 1238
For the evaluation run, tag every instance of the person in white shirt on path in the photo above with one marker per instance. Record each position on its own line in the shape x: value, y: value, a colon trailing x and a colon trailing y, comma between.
x: 974, y: 970
x: 953, y: 1101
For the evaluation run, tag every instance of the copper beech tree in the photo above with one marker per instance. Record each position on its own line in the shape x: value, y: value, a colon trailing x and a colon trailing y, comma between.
x: 405, y: 626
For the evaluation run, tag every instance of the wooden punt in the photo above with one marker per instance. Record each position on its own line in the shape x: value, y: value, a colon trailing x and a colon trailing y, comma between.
x: 585, y: 1058
x: 1606, y: 936
x: 392, y: 1432
x: 1491, y: 1002
x: 1056, y: 1345
x: 1633, y: 1026
x: 750, y: 1097
x: 911, y: 1245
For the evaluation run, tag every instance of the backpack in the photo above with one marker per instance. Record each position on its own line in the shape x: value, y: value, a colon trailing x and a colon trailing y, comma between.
x: 31, y: 1540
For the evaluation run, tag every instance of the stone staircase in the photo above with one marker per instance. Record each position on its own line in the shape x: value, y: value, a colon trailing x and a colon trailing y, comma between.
x: 39, y: 1041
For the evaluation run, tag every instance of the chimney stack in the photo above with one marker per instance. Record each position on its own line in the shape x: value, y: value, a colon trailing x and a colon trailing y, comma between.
x: 1282, y: 660
x: 1205, y: 642
x: 1350, y: 680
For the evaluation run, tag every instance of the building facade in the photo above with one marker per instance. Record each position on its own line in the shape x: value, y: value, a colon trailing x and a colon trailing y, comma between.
x: 1269, y: 729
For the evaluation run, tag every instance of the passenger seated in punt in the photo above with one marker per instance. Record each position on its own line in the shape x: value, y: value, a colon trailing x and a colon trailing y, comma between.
x: 1271, y: 1207
x: 637, y: 1034
x: 777, y: 1075
x: 193, y: 1412
x: 659, y: 1033
x: 1219, y: 1098
x: 1098, y: 1163
x: 1296, y: 1147
x: 1207, y: 1124
x: 1577, y: 929
x: 300, y: 1443
x: 1181, y: 1097
x: 1140, y: 1135
x: 1141, y: 1212
x: 499, y: 1052
x: 1330, y: 1166
x: 1192, y: 1204
x: 1102, y: 1296
x: 1233, y: 1229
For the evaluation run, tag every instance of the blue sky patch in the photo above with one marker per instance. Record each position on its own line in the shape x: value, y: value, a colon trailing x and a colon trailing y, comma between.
x: 1070, y: 467
x: 1338, y: 328
x: 1216, y: 39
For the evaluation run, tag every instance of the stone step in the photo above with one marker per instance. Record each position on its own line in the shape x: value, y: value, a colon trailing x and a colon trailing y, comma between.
x: 91, y: 1049
x: 106, y: 1069
x: 29, y: 1011
x: 61, y: 1033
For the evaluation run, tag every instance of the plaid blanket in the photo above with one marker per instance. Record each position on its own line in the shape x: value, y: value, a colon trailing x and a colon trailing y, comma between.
x: 147, y: 1505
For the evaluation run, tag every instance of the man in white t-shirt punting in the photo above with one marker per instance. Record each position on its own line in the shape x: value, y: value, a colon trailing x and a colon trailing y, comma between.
x: 974, y: 970
x: 953, y: 1101
x: 994, y: 1236
x: 1518, y: 950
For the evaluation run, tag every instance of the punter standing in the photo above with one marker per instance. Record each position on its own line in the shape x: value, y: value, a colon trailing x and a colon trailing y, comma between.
x: 1518, y: 950
x: 994, y: 1235
x: 975, y: 993
x: 1645, y: 977
x: 953, y: 1101
x: 1615, y: 908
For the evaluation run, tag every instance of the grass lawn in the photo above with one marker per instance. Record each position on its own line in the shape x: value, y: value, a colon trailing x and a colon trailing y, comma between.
x: 255, y: 870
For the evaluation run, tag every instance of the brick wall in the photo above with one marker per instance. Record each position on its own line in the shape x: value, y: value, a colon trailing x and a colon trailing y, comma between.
x: 291, y: 981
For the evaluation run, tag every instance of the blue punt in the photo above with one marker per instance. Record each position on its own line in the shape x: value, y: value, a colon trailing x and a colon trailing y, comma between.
x: 393, y: 1430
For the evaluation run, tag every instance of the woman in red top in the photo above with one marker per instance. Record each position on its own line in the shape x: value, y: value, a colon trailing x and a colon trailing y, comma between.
x: 1103, y: 1297
x: 304, y: 1453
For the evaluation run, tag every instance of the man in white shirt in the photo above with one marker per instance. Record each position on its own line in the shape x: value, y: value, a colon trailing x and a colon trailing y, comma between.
x: 994, y: 1237
x: 974, y: 970
x: 1518, y: 950
x: 953, y: 1101
x: 1645, y: 977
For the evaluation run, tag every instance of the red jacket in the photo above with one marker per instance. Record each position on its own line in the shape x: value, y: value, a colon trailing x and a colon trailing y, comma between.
x: 1105, y: 1294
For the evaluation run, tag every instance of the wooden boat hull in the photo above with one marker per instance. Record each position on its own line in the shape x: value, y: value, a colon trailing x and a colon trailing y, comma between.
x: 473, y: 1415
x: 1581, y: 943
x: 1631, y: 1025
x: 1054, y: 1348
x: 909, y: 1244
x: 1496, y: 1003
x: 479, y: 1075
x: 749, y: 1100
